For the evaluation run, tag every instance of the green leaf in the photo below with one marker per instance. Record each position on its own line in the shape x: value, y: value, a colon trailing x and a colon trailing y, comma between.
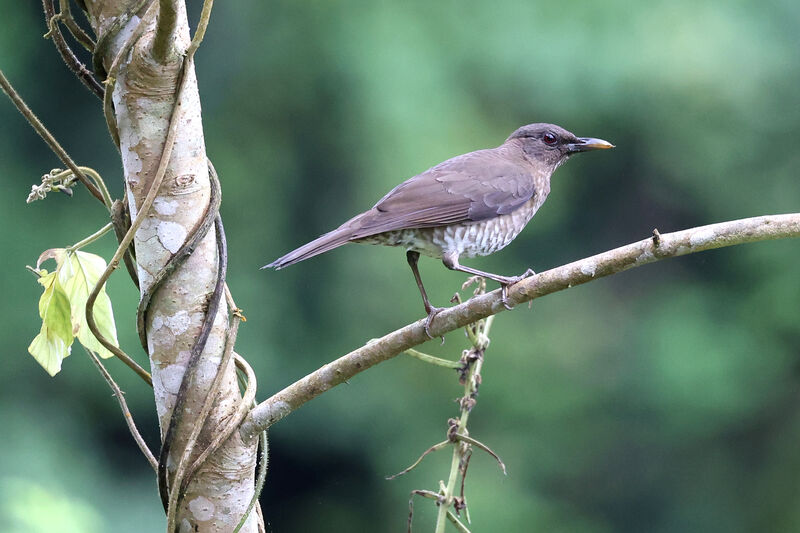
x: 53, y: 342
x: 63, y: 308
x: 79, y: 274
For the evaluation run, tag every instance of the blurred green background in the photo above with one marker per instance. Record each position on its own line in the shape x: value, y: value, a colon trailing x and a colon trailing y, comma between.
x: 662, y: 399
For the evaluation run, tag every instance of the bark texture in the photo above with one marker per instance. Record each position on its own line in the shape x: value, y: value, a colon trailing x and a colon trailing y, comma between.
x: 144, y: 97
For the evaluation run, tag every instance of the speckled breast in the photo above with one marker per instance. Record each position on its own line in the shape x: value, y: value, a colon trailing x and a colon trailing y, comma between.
x: 467, y: 239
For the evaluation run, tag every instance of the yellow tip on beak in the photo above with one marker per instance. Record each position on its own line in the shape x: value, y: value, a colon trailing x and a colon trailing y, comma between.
x: 590, y: 143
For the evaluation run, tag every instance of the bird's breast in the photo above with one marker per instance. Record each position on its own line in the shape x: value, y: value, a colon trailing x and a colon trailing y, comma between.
x: 467, y: 239
x: 486, y: 236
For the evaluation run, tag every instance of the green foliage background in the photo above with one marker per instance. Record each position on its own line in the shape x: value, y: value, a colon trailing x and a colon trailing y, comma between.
x: 662, y: 399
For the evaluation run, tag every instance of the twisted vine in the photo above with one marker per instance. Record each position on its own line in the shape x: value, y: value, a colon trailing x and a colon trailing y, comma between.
x: 178, y: 258
x: 70, y: 59
x: 169, y: 497
x: 77, y: 32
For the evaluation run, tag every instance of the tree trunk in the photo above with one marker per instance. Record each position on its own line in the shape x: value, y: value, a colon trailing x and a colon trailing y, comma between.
x: 143, y: 98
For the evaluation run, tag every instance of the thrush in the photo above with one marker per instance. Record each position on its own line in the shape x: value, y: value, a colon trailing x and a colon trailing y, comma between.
x: 473, y: 204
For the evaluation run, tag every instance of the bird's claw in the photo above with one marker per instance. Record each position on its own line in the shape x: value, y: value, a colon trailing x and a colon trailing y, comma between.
x: 509, y: 282
x: 432, y: 312
x: 504, y: 296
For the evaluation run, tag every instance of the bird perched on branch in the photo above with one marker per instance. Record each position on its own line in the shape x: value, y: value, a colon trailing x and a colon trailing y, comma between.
x: 472, y: 204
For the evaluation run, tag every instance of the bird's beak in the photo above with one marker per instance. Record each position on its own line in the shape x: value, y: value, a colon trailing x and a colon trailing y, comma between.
x: 588, y: 143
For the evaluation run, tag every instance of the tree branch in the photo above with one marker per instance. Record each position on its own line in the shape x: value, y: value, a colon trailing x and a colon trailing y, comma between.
x: 660, y: 246
x: 166, y: 27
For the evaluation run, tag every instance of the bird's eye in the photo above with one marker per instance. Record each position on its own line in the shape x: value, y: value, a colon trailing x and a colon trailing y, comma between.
x: 549, y: 139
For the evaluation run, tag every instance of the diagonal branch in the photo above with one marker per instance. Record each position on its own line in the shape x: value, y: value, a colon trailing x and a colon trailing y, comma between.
x: 660, y: 246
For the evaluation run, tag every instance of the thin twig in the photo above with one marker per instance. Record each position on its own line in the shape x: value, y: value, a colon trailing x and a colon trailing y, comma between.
x: 120, y: 218
x: 463, y: 467
x: 260, y: 479
x: 434, y: 448
x: 66, y: 53
x: 557, y: 279
x: 425, y: 494
x: 202, y: 26
x: 34, y: 121
x: 125, y: 411
x: 77, y: 32
x: 482, y: 446
x: 263, y: 443
x: 456, y: 522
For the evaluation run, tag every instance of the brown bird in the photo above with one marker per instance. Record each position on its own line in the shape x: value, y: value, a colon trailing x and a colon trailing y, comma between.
x: 472, y: 204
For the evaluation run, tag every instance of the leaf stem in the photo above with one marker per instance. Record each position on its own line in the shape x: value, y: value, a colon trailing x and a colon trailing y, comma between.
x: 100, y: 184
x: 91, y: 238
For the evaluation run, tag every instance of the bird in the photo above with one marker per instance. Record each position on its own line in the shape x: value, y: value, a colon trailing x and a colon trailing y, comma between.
x: 470, y: 205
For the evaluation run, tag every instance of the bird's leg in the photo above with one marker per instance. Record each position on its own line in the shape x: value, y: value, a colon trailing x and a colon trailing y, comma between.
x: 451, y: 262
x: 413, y: 258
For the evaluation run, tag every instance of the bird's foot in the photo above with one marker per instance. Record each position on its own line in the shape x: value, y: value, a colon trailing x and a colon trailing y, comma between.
x: 432, y: 312
x: 507, y: 282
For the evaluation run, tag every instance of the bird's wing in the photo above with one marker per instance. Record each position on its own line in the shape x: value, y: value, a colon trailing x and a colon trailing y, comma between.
x: 470, y: 187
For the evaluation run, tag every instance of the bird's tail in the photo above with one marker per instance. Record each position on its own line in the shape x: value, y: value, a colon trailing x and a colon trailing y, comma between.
x: 333, y: 239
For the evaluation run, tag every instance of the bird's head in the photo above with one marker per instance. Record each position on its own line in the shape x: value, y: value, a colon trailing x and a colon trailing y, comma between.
x: 552, y: 145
